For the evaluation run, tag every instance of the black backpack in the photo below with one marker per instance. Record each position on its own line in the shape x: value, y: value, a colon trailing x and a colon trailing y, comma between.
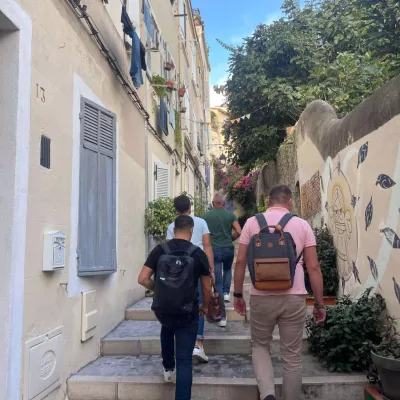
x: 271, y: 256
x: 175, y: 291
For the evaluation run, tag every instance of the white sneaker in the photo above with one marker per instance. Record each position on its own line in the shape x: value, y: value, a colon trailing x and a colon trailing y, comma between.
x: 227, y: 298
x: 199, y: 354
x: 222, y: 323
x: 169, y: 376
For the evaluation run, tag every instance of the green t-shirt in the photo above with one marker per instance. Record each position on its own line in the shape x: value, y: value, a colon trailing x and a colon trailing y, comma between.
x: 219, y: 223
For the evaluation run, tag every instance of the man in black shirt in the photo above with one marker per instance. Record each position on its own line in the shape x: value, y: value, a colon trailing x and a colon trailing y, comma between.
x: 183, y: 330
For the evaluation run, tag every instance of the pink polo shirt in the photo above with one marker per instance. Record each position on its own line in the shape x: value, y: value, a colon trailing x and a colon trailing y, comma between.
x: 302, y: 235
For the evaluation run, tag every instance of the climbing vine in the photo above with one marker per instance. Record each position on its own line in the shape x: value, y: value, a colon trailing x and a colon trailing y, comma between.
x: 178, y: 134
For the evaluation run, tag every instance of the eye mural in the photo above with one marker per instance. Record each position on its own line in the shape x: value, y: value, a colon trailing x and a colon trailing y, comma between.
x: 343, y: 224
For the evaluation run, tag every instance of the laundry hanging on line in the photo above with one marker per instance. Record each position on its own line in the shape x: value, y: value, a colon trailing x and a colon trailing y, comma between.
x: 163, y: 117
x: 136, y: 58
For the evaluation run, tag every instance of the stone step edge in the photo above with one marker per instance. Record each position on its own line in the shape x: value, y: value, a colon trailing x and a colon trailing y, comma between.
x: 214, y: 345
x: 234, y: 381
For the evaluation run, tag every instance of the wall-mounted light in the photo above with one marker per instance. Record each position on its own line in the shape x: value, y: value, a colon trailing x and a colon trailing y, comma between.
x: 222, y: 159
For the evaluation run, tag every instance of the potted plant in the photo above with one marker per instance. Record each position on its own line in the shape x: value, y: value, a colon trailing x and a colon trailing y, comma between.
x: 326, y: 253
x: 158, y: 215
x: 183, y: 110
x: 182, y: 91
x: 386, y: 358
x: 169, y: 84
x: 351, y: 330
x: 169, y: 65
x: 159, y: 85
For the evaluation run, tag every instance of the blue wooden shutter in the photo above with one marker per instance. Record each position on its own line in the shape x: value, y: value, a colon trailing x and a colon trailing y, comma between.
x: 97, y: 192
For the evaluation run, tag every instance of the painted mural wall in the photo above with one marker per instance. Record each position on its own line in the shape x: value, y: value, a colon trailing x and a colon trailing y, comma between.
x: 359, y: 188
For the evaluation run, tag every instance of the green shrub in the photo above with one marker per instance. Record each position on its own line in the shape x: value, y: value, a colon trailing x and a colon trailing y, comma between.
x: 326, y: 253
x: 350, y: 332
x: 158, y: 215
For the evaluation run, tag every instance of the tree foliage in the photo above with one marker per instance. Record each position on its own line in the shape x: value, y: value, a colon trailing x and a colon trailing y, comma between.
x: 336, y: 50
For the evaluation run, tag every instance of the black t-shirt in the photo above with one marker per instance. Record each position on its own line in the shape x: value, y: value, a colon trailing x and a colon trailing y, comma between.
x: 201, y: 265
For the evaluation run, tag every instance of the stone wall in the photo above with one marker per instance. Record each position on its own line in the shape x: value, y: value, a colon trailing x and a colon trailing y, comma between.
x: 357, y: 160
x: 283, y: 170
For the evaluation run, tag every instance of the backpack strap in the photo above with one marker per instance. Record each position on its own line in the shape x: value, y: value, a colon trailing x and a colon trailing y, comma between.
x: 165, y: 248
x: 285, y: 219
x: 262, y: 222
x: 191, y: 250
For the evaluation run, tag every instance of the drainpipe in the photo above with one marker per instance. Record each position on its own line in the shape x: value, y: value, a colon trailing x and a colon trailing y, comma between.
x: 146, y: 169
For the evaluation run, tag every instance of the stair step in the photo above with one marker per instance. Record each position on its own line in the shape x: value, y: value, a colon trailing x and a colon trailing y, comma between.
x: 141, y: 311
x: 143, y: 337
x: 224, y: 377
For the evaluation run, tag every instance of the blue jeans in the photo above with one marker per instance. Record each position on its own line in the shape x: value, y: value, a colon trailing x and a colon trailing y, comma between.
x: 185, y: 340
x: 223, y: 260
x: 200, y: 329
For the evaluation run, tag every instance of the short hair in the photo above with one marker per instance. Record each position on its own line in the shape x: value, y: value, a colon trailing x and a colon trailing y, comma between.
x: 280, y: 194
x: 219, y: 198
x: 184, y: 223
x: 182, y: 203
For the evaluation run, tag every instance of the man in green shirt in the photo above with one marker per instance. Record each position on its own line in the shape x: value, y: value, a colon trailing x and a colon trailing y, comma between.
x: 221, y: 223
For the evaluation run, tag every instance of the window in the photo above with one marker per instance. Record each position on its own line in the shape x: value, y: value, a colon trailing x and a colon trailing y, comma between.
x: 194, y: 64
x: 182, y: 11
x: 161, y: 180
x: 97, y: 191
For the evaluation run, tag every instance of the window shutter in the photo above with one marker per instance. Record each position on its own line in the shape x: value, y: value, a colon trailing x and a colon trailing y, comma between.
x: 161, y: 180
x: 97, y: 193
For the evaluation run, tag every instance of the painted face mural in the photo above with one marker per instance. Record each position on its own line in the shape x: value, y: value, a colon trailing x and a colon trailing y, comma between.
x: 342, y: 223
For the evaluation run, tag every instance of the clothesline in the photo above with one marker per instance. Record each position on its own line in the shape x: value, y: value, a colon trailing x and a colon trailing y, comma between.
x: 232, y: 121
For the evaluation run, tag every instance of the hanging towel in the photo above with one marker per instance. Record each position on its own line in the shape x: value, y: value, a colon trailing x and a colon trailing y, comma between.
x: 143, y: 57
x: 172, y: 117
x: 163, y: 117
x: 136, y: 65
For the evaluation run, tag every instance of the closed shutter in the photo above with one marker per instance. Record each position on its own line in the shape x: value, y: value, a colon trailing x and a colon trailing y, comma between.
x: 97, y: 193
x: 161, y: 180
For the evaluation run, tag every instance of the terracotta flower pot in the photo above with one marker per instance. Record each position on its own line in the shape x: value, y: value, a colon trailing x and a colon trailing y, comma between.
x: 328, y: 300
x: 169, y: 84
x: 169, y: 66
x: 183, y: 110
x: 182, y: 92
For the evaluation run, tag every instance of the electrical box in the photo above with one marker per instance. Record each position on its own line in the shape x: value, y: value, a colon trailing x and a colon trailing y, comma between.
x: 53, y: 250
x: 43, y: 357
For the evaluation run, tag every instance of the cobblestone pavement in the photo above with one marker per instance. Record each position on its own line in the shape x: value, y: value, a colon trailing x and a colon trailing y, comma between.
x: 220, y: 366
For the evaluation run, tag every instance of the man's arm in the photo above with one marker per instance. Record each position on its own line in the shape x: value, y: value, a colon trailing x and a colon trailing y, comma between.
x: 240, y: 268
x: 208, y: 250
x: 314, y: 272
x: 206, y: 291
x: 238, y: 230
x: 144, y: 278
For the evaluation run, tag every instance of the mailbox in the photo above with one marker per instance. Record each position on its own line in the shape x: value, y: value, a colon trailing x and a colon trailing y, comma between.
x: 53, y: 250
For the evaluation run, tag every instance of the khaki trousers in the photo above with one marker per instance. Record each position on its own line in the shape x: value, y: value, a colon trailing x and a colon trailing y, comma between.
x: 288, y: 312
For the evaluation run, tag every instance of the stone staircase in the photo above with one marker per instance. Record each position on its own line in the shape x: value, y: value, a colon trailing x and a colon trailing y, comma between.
x: 130, y: 365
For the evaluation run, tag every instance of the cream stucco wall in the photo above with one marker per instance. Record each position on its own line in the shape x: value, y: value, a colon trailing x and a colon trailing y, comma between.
x: 360, y: 192
x: 67, y: 64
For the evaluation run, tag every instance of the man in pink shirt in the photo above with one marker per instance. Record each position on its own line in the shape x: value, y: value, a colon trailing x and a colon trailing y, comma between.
x: 285, y: 308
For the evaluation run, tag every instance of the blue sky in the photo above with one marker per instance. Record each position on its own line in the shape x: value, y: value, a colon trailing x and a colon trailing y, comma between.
x: 230, y: 21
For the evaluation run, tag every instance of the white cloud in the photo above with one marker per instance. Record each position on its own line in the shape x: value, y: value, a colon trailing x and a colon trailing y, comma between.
x: 217, y: 99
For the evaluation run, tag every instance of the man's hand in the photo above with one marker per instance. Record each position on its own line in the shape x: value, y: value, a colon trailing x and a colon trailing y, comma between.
x: 203, y: 312
x: 240, y: 305
x: 319, y: 316
x: 212, y: 276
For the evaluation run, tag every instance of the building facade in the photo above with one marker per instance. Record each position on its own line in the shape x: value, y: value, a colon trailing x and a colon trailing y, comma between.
x: 84, y: 147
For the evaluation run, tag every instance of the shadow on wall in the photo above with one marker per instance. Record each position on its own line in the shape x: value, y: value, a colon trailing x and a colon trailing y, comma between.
x: 357, y: 161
